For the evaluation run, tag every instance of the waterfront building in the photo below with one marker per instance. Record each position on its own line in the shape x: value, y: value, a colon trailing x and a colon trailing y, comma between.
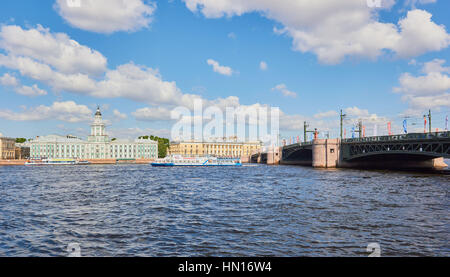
x: 22, y: 151
x: 97, y: 146
x: 230, y: 147
x: 7, y: 148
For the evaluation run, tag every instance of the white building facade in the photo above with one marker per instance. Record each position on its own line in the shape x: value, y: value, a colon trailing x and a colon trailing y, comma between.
x: 98, y: 146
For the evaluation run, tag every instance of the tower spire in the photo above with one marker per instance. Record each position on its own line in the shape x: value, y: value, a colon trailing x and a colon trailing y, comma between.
x: 98, y: 111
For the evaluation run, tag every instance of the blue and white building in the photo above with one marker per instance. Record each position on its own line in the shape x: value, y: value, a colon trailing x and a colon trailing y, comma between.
x: 97, y: 146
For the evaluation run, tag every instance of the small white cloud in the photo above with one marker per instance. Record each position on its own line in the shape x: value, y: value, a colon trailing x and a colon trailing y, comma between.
x: 283, y: 89
x: 326, y: 114
x: 429, y: 90
x: 231, y: 35
x: 435, y: 66
x: 263, y: 65
x: 119, y: 115
x: 9, y: 80
x: 152, y: 114
x: 107, y: 16
x: 224, y: 70
x: 34, y: 90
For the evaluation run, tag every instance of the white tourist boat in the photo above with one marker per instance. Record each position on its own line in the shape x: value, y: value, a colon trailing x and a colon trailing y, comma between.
x: 178, y: 160
x: 56, y: 162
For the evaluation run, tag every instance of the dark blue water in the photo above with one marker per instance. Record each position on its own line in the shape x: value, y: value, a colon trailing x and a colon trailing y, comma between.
x: 137, y: 210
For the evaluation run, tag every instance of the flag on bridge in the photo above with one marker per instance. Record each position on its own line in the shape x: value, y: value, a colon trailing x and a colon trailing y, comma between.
x: 389, y: 128
x: 424, y: 124
x: 405, y: 124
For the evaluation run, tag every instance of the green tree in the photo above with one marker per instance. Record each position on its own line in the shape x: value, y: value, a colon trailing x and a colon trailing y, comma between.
x: 163, y: 144
x: 20, y: 140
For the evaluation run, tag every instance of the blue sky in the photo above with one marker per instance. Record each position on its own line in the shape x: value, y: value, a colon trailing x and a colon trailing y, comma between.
x: 378, y: 70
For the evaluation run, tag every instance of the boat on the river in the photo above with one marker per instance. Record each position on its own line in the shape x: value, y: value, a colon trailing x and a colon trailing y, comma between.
x: 56, y: 162
x: 178, y: 160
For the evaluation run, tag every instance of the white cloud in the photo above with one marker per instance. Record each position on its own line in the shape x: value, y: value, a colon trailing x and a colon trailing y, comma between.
x: 119, y: 115
x: 435, y: 66
x: 9, y: 80
x: 76, y: 83
x: 419, y: 34
x: 283, y: 89
x: 326, y: 114
x: 335, y: 29
x: 430, y: 90
x: 152, y: 114
x: 57, y: 50
x: 263, y: 65
x: 67, y: 111
x: 34, y: 90
x: 138, y: 83
x: 224, y: 70
x: 107, y: 16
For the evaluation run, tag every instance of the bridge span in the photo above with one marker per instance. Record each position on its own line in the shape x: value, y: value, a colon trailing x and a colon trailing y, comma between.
x: 408, y: 151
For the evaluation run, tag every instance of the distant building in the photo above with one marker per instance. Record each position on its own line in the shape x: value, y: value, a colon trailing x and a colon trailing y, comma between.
x: 7, y: 148
x: 219, y: 148
x: 98, y: 145
x: 22, y: 151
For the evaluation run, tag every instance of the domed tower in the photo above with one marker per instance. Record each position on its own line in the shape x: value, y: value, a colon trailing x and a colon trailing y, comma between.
x: 98, y: 128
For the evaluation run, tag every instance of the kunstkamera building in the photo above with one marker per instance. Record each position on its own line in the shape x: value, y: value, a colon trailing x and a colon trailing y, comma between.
x: 98, y: 146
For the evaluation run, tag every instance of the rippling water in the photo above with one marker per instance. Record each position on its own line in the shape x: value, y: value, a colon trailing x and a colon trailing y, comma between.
x: 137, y: 210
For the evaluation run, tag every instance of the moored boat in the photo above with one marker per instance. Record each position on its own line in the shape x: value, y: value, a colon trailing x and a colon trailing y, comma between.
x: 178, y: 160
x: 56, y: 162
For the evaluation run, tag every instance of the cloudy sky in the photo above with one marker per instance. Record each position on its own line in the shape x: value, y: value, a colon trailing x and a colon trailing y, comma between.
x: 139, y: 59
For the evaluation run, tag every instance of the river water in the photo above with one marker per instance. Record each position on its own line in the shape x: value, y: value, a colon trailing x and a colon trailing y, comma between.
x: 259, y: 210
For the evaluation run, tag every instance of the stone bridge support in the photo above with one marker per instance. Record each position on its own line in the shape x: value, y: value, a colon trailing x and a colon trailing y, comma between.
x: 326, y: 153
x: 274, y: 156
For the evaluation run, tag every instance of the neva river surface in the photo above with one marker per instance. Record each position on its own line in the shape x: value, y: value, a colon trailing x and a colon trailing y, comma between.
x: 137, y: 210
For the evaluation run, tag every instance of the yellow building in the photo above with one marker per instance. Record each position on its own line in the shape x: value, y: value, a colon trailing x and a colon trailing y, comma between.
x: 7, y: 148
x: 223, y: 148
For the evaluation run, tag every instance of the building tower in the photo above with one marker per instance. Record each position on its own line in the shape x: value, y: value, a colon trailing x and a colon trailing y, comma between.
x: 98, y: 129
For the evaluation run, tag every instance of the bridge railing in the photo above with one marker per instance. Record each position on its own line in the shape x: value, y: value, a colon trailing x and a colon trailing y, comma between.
x: 412, y: 136
x: 299, y: 144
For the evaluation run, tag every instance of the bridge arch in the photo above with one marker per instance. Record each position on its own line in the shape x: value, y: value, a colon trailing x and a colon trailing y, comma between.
x: 297, y: 155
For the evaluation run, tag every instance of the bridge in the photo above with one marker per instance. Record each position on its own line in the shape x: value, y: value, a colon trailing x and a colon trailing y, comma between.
x: 297, y: 154
x: 409, y: 151
x: 428, y: 145
x: 416, y: 150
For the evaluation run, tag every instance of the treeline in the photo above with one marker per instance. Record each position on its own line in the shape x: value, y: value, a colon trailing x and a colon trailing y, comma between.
x: 163, y: 144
